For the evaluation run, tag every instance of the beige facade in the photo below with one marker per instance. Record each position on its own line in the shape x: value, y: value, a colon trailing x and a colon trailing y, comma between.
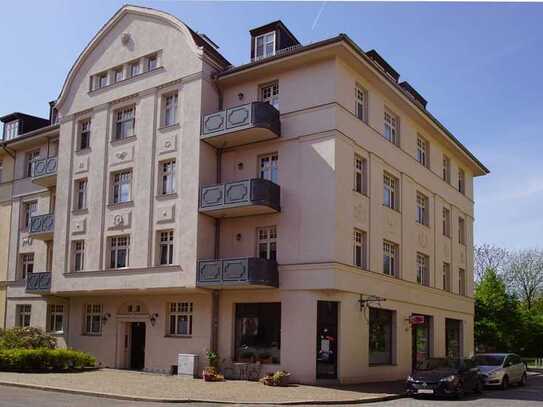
x: 301, y: 284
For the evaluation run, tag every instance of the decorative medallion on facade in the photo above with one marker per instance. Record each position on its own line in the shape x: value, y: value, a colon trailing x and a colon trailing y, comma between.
x: 126, y: 39
x: 423, y: 239
x: 166, y: 214
x: 167, y: 143
x: 81, y: 165
x: 27, y: 241
x: 79, y: 226
x: 119, y: 220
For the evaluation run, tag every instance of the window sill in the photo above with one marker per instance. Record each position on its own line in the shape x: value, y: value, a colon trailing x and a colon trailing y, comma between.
x: 122, y: 141
x: 123, y: 81
x: 166, y: 197
x: 55, y: 333
x: 364, y: 194
x: 120, y: 205
x: 178, y: 336
x: 392, y: 209
x: 80, y: 211
x: 382, y: 364
x: 164, y: 129
x: 423, y: 224
x: 83, y: 151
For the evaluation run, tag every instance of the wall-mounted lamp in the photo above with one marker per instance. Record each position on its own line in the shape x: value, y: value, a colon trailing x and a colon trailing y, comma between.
x: 105, y: 317
x: 240, y: 95
x: 240, y: 166
x: 238, y: 237
x: 153, y: 319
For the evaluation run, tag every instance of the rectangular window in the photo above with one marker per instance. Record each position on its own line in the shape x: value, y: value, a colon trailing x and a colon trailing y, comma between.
x: 461, y: 181
x: 258, y: 332
x: 361, y: 103
x: 29, y: 210
x: 167, y: 176
x: 134, y: 69
x: 446, y: 222
x: 392, y: 128
x: 360, y: 174
x: 423, y: 269
x: 390, y: 184
x: 360, y: 249
x: 22, y: 315
x: 265, y: 45
x: 118, y: 74
x: 30, y: 157
x: 78, y: 255
x: 119, y: 247
x: 84, y: 135
x: 152, y: 62
x: 27, y: 265
x: 166, y: 247
x: 11, y: 129
x: 461, y: 281
x: 55, y: 322
x: 121, y: 187
x: 93, y: 319
x: 447, y: 277
x: 423, y: 152
x: 270, y: 93
x: 170, y: 109
x: 180, y: 318
x: 446, y: 169
x: 381, y: 334
x: 125, y: 121
x: 269, y: 167
x: 422, y: 209
x: 80, y: 194
x: 266, y: 243
x: 461, y: 231
x: 390, y: 258
x: 101, y: 80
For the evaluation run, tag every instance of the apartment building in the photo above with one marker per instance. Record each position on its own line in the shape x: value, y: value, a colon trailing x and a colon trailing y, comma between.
x: 304, y: 211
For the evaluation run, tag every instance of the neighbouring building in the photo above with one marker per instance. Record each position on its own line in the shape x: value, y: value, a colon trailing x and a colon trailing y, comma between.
x: 304, y: 210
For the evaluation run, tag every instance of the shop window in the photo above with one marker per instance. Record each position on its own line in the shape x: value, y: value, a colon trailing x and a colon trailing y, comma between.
x: 381, y: 336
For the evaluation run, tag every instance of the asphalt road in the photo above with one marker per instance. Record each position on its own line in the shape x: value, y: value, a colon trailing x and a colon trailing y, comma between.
x: 529, y: 396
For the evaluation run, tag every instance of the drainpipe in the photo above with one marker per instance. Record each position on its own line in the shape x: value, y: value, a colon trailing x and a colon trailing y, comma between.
x: 215, y: 294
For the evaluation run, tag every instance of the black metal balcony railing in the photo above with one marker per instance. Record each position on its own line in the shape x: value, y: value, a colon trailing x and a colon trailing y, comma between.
x: 249, y: 123
x: 42, y: 224
x: 38, y: 281
x: 45, y: 166
x: 237, y: 272
x: 247, y: 197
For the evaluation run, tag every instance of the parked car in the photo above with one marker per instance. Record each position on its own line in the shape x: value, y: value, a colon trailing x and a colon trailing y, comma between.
x: 444, y: 377
x: 501, y: 369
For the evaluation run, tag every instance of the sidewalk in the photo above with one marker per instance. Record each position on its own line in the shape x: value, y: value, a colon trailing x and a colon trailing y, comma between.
x: 154, y: 387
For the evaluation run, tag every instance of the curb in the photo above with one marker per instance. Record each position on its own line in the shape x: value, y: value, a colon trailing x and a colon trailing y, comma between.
x: 187, y: 400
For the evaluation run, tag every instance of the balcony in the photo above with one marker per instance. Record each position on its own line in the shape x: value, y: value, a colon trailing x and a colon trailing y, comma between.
x: 241, y: 198
x: 42, y: 227
x: 38, y: 282
x: 44, y: 171
x: 237, y: 273
x: 250, y: 123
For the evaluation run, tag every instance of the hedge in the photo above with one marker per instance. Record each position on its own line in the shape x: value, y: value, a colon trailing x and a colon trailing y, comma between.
x: 27, y: 337
x: 44, y: 360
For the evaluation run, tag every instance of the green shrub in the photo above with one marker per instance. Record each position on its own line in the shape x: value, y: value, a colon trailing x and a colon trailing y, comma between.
x: 44, y: 359
x: 26, y: 338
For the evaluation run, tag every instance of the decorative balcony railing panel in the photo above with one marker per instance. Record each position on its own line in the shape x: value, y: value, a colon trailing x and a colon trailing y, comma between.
x: 239, y: 272
x: 42, y: 226
x: 44, y: 171
x: 245, y: 124
x: 241, y: 198
x: 38, y: 282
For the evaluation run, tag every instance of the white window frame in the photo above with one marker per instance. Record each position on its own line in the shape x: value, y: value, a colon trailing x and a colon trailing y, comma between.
x: 134, y: 68
x: 461, y: 181
x: 11, y: 129
x: 116, y: 245
x: 422, y: 209
x: 267, y: 237
x: 265, y: 42
x: 360, y: 249
x: 166, y: 245
x: 268, y: 167
x: 446, y: 222
x: 29, y: 209
x: 116, y: 71
x: 269, y: 93
x: 30, y: 157
x: 78, y: 255
x: 119, y: 180
x: 80, y: 194
x: 23, y: 315
x: 461, y: 230
x: 26, y: 264
x: 462, y: 283
x: 391, y: 127
x: 55, y: 318
x: 446, y: 164
x: 447, y: 277
x: 361, y: 103
x: 423, y: 151
x: 423, y: 269
x: 148, y: 59
x: 84, y: 134
x: 169, y: 111
x: 360, y: 174
x: 391, y: 251
x: 103, y: 76
x: 125, y: 123
x: 390, y: 191
x: 168, y: 177
x: 179, y: 312
x: 92, y: 313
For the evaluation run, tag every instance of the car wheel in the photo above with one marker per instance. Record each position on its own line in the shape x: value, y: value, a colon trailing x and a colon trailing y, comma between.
x: 478, y: 387
x: 523, y: 380
x: 505, y: 383
x: 460, y: 392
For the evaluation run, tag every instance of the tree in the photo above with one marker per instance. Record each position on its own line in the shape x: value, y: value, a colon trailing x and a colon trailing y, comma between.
x: 488, y: 256
x: 524, y: 275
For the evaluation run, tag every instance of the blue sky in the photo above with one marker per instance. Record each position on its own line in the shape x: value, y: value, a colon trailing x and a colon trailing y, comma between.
x: 478, y: 65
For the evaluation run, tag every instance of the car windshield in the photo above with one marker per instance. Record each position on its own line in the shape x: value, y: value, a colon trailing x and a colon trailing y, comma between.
x: 438, y: 363
x: 489, y: 360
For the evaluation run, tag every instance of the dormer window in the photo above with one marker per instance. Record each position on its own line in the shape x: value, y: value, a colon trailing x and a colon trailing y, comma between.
x: 265, y: 45
x: 134, y: 68
x: 152, y: 62
x: 11, y: 129
x: 118, y: 74
x: 101, y: 80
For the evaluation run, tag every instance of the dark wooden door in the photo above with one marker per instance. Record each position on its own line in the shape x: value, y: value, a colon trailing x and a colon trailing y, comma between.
x: 137, y: 345
x: 327, y: 339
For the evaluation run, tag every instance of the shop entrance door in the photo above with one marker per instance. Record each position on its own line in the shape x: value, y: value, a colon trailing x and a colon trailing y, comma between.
x: 327, y: 336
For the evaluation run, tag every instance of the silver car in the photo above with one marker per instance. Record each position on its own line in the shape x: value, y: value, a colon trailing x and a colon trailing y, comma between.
x: 501, y: 369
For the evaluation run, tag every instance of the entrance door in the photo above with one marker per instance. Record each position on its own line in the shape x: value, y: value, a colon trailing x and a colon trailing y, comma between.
x: 137, y: 345
x: 453, y: 338
x: 420, y: 341
x: 327, y: 316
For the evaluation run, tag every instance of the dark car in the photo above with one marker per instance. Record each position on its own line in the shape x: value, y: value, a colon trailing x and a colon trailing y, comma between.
x: 444, y: 377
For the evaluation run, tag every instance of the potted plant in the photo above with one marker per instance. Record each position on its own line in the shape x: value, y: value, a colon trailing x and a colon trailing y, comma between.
x: 279, y: 378
x: 211, y: 372
x: 265, y: 357
x: 246, y: 356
